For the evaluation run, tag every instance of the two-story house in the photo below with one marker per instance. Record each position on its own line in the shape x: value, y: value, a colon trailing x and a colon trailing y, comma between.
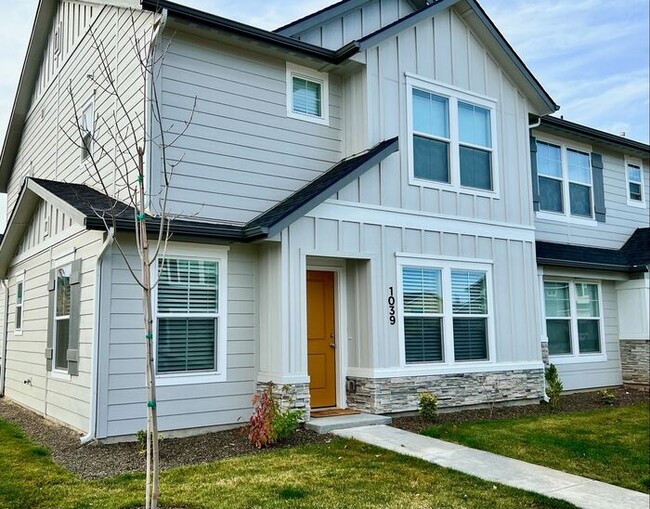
x: 354, y: 218
x: 592, y: 226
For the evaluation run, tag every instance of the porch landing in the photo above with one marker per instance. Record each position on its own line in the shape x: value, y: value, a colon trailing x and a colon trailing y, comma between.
x: 326, y: 424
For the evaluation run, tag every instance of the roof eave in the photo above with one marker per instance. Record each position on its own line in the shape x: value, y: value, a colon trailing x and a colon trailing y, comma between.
x: 37, y: 42
x: 250, y: 32
x: 590, y: 265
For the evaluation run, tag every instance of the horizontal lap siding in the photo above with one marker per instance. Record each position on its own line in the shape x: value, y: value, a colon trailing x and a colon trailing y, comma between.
x: 241, y: 154
x: 621, y: 220
x: 516, y: 317
x: 66, y: 401
x: 599, y: 374
x: 45, y: 150
x: 443, y: 49
x: 122, y: 396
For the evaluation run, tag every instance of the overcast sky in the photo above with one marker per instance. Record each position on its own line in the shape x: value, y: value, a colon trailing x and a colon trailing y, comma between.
x: 591, y: 56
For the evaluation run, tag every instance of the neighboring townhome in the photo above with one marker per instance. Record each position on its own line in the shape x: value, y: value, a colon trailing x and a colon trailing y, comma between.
x: 590, y: 193
x: 353, y: 217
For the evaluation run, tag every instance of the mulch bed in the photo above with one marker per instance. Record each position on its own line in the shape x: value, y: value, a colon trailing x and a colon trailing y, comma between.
x: 569, y: 403
x: 95, y: 461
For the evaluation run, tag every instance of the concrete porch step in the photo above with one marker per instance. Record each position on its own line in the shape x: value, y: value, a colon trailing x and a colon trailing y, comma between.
x: 326, y: 424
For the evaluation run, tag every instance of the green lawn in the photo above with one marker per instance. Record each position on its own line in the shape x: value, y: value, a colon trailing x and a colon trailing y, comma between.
x: 341, y: 474
x: 610, y: 444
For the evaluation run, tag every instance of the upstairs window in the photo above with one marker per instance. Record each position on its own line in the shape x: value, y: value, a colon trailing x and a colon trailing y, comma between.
x: 307, y: 94
x: 635, y: 190
x: 452, y: 137
x: 87, y: 128
x: 565, y: 180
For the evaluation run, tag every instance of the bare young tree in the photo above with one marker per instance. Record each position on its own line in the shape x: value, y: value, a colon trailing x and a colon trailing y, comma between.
x: 113, y: 148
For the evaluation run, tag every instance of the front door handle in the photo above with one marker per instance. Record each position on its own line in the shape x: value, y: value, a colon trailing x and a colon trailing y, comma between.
x: 332, y: 345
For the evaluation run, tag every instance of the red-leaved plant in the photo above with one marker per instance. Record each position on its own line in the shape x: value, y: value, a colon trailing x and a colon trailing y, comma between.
x: 261, y: 432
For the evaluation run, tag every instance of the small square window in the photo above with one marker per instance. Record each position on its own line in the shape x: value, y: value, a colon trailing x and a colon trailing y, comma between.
x: 307, y: 94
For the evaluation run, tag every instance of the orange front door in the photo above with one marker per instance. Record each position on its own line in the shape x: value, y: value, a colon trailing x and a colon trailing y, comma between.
x: 321, y: 354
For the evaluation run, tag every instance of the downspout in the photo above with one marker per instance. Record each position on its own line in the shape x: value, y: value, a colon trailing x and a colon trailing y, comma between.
x: 94, y: 364
x: 5, y: 332
x: 536, y: 124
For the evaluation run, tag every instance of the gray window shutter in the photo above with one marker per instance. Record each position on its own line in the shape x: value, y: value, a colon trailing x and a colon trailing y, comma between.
x: 75, y: 317
x: 51, y: 285
x: 533, y: 171
x: 599, y: 187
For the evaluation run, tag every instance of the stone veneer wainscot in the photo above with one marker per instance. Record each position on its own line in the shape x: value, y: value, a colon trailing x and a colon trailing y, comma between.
x: 400, y: 394
x: 635, y: 361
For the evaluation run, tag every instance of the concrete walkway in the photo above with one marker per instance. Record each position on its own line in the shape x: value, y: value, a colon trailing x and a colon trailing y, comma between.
x: 582, y: 492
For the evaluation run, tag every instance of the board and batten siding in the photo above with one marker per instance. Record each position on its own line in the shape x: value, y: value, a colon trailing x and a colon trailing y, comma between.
x: 621, y: 219
x: 63, y: 398
x: 355, y: 24
x: 45, y: 150
x: 371, y: 240
x: 443, y: 49
x: 122, y: 393
x: 241, y: 154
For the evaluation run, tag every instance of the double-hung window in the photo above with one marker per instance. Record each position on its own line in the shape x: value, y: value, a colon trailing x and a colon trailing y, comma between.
x: 452, y: 137
x: 565, y: 180
x: 446, y: 318
x: 634, y: 179
x: 62, y: 318
x: 307, y: 94
x: 188, y: 316
x: 573, y: 318
x: 20, y: 297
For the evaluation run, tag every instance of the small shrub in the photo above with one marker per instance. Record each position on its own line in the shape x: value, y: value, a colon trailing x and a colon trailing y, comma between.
x: 269, y: 423
x: 141, y: 438
x: 607, y: 397
x: 554, y: 386
x: 428, y: 406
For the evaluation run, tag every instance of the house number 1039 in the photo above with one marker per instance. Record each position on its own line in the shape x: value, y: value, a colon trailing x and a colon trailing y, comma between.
x: 391, y: 306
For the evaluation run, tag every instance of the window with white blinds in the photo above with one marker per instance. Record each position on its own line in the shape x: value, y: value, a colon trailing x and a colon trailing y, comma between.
x: 307, y: 94
x: 446, y: 315
x: 469, y: 309
x: 187, y: 315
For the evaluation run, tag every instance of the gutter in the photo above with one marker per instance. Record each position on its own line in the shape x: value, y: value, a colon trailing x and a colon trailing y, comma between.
x: 5, y: 331
x: 234, y: 27
x: 94, y: 366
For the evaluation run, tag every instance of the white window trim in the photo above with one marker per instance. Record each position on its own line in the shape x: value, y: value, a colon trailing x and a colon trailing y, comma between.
x: 446, y: 265
x: 575, y: 356
x: 566, y: 216
x: 20, y: 280
x: 64, y: 375
x: 294, y: 70
x: 633, y: 203
x: 91, y: 152
x: 217, y: 254
x: 453, y: 95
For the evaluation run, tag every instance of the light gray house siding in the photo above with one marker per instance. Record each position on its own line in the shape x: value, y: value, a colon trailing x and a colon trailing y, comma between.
x: 622, y: 219
x: 241, y: 153
x: 59, y: 396
x: 122, y: 393
x: 45, y: 150
x: 443, y: 49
